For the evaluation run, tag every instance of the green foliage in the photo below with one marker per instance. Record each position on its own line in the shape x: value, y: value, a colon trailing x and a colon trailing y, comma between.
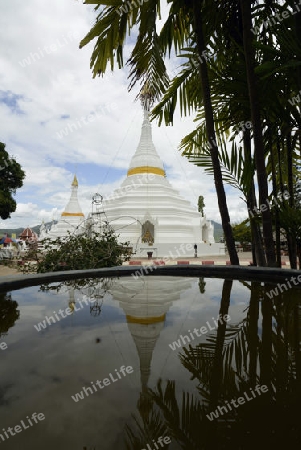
x: 242, y: 232
x: 276, y: 75
x: 202, y: 285
x: 11, y: 178
x: 290, y: 220
x: 84, y: 251
x: 201, y: 204
x: 8, y: 313
x: 234, y: 171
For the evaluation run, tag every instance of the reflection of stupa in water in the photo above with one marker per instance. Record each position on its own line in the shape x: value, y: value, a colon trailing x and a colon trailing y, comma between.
x: 145, y: 303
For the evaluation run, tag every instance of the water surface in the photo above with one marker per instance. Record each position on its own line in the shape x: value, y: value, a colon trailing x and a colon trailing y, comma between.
x: 174, y: 385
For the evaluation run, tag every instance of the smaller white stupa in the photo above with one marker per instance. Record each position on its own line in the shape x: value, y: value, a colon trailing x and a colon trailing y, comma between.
x: 72, y: 218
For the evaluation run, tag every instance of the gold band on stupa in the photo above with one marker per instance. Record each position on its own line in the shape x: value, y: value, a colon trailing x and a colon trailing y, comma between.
x: 145, y: 320
x: 146, y: 169
x: 72, y: 214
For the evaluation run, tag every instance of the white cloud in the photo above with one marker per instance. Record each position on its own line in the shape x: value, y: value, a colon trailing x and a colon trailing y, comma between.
x: 57, y: 89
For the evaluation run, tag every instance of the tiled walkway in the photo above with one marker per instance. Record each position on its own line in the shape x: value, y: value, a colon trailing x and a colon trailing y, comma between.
x: 245, y: 259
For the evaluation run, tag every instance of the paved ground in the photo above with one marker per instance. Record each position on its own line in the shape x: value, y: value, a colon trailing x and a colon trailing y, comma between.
x: 244, y: 258
x: 5, y: 270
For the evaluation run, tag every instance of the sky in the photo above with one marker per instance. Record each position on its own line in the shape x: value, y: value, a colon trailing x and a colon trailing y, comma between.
x: 47, y: 93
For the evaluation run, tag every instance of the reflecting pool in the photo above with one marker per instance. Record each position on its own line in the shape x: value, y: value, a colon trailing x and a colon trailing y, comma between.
x: 150, y: 363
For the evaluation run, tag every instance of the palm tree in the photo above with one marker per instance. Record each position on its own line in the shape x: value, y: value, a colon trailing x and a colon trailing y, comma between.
x: 249, y: 54
x: 210, y: 128
x: 147, y: 64
x: 231, y: 109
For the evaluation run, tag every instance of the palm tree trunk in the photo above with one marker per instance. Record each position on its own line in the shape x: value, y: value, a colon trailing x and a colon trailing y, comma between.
x: 217, y: 367
x: 266, y: 353
x: 253, y: 333
x: 274, y: 183
x: 292, y: 244
x: 218, y: 179
x: 257, y: 247
x: 259, y: 151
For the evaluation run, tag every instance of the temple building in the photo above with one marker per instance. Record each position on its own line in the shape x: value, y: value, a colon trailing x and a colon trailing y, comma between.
x: 146, y: 211
x: 150, y: 214
x: 71, y: 220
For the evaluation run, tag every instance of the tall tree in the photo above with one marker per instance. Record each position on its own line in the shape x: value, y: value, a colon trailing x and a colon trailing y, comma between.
x: 201, y: 204
x: 11, y: 178
x: 183, y: 24
x: 210, y: 129
x: 249, y: 53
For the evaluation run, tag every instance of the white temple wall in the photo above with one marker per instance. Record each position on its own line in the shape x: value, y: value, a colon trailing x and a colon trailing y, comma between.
x: 179, y: 250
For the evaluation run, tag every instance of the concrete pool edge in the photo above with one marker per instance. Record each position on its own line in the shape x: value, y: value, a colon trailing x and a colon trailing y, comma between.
x: 260, y: 274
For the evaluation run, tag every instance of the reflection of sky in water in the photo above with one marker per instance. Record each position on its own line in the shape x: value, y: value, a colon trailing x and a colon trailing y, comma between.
x: 41, y: 370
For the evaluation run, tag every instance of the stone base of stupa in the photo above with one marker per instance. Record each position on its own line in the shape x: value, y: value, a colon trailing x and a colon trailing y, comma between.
x: 178, y: 250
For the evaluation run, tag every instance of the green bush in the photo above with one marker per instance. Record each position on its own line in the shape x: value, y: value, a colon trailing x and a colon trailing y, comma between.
x: 84, y: 251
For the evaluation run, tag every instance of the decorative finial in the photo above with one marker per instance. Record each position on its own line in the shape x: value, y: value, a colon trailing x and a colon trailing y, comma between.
x: 74, y: 182
x: 146, y: 97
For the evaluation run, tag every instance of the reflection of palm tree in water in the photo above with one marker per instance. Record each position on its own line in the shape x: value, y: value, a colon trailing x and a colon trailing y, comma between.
x: 8, y: 313
x: 202, y: 285
x: 226, y: 366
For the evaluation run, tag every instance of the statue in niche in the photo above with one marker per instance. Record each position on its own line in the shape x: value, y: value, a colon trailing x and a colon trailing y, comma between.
x: 148, y: 233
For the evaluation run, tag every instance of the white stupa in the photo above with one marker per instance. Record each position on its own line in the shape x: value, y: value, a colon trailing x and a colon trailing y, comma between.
x: 149, y: 213
x: 72, y: 217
